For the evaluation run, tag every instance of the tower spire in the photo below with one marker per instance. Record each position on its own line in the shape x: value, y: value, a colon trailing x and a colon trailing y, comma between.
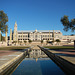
x: 15, y: 23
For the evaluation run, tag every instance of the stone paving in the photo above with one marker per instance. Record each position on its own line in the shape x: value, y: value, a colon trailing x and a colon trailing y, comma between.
x: 69, y: 55
x: 6, y: 56
x: 36, y: 47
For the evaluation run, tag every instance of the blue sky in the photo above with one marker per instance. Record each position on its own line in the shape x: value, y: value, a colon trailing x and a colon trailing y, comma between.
x: 38, y: 14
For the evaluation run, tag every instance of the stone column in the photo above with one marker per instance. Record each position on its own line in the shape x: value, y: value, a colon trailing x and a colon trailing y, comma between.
x: 10, y: 36
x: 0, y: 35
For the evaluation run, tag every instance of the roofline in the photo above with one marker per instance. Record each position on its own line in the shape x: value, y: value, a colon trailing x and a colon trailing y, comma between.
x: 38, y: 31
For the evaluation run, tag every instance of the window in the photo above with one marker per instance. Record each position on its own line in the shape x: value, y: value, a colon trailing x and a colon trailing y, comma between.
x: 45, y: 35
x: 36, y: 36
x: 26, y: 36
x: 19, y: 36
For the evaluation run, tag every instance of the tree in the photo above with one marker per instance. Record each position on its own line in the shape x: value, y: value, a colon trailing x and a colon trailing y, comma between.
x: 47, y: 42
x: 14, y: 42
x: 20, y: 42
x: 68, y: 24
x: 53, y: 41
x: 3, y: 38
x: 57, y: 40
x: 30, y: 41
x: 3, y: 22
x: 41, y: 41
x: 25, y: 41
x: 6, y: 28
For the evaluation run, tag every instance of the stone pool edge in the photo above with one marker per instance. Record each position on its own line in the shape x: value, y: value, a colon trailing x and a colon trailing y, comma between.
x: 65, y: 65
x: 16, y: 60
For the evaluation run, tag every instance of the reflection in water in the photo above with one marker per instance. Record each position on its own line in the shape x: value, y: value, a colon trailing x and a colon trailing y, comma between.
x: 42, y: 66
x: 37, y: 54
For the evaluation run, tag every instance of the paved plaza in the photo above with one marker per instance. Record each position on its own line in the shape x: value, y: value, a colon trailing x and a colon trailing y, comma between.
x: 6, y: 56
x: 69, y: 55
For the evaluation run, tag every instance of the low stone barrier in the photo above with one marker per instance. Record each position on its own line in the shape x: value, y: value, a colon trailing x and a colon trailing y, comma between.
x: 7, y: 67
x: 65, y: 65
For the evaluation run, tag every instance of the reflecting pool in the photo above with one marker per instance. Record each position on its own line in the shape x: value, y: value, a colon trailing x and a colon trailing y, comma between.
x: 37, y: 63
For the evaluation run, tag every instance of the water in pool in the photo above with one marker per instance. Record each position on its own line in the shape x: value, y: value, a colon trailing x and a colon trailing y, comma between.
x: 37, y: 63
